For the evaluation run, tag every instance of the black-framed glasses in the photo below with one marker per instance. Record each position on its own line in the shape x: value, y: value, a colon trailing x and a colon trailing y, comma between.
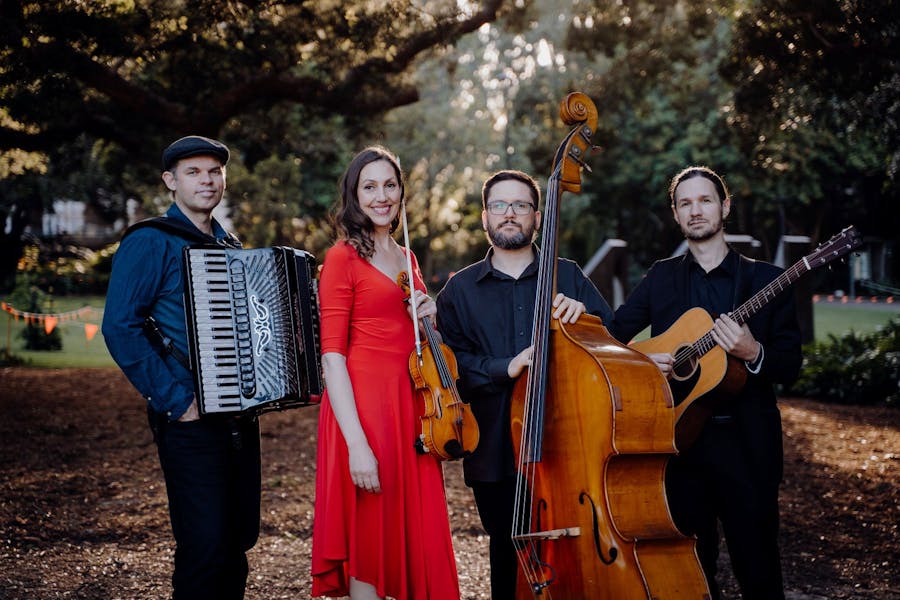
x: 519, y: 208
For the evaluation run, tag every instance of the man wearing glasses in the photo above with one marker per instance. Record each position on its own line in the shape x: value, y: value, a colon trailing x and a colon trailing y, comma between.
x: 486, y: 316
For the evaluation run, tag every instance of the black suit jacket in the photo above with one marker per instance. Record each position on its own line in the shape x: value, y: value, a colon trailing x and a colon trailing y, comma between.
x: 664, y: 295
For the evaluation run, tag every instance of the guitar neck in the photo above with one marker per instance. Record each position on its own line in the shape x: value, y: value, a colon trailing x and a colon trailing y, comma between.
x: 749, y: 308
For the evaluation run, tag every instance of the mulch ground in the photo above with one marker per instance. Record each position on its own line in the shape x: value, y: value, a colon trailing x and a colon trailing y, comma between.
x: 83, y: 509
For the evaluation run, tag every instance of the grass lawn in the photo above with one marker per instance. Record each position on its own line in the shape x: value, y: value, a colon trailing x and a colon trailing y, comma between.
x: 78, y: 351
x: 840, y: 319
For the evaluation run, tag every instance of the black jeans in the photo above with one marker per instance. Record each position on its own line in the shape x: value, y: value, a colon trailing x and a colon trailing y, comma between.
x: 212, y: 472
x: 495, y: 502
x: 714, y: 482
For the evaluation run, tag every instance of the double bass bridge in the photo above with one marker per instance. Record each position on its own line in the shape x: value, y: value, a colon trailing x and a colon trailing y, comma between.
x: 553, y: 534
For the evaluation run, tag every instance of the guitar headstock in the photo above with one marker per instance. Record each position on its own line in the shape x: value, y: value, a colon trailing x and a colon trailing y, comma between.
x: 840, y: 244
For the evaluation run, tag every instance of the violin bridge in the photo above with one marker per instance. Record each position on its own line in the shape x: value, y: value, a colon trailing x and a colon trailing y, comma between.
x: 553, y: 534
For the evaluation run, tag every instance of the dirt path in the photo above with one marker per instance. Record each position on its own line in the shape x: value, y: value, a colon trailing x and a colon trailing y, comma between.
x: 83, y: 510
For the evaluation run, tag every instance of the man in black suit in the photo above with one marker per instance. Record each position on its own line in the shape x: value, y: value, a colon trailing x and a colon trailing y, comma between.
x: 732, y: 472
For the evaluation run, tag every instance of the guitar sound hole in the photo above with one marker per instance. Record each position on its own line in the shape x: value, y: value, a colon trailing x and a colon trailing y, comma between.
x: 685, y: 363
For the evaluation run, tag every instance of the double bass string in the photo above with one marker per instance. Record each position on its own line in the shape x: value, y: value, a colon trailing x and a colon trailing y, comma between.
x: 530, y: 445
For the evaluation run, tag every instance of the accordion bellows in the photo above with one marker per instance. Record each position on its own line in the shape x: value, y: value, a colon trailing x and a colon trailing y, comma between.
x: 253, y: 328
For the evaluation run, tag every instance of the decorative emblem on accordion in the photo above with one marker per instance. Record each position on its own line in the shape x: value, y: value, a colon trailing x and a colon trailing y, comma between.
x: 261, y: 325
x: 253, y: 328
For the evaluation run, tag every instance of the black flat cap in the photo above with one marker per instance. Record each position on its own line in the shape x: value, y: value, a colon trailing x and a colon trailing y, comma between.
x: 193, y: 145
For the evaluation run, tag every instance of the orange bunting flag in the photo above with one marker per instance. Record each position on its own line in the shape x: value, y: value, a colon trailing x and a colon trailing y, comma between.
x: 50, y: 324
x: 90, y: 330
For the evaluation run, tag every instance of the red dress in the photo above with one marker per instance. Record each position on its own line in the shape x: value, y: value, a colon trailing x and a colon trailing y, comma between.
x: 397, y: 540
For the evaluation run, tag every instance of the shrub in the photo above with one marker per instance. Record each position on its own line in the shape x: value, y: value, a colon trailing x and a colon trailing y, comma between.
x: 29, y: 297
x: 853, y: 369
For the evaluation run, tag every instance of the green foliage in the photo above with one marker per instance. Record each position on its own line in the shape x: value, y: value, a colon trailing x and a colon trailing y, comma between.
x: 28, y: 297
x: 90, y: 92
x: 62, y: 270
x: 815, y: 89
x: 140, y: 71
x: 652, y: 69
x: 794, y: 105
x: 854, y: 368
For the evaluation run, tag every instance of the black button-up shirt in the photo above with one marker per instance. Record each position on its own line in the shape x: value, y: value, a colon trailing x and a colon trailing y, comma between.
x: 716, y: 291
x: 487, y: 317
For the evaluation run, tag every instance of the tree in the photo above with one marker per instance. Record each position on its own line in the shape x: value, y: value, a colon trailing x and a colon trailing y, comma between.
x: 463, y: 129
x: 144, y: 71
x: 651, y: 69
x: 816, y: 89
x: 112, y: 82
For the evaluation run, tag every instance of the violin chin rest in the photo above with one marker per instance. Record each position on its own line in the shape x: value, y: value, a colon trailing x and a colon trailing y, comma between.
x: 454, y: 449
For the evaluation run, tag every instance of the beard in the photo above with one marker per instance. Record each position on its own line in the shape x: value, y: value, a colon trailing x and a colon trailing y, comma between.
x: 512, y: 241
x: 706, y: 233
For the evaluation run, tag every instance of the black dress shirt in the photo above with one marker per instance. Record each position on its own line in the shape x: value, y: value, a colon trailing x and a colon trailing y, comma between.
x: 487, y: 317
x: 716, y: 291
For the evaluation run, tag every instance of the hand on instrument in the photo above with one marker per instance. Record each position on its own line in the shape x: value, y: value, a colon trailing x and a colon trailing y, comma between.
x: 364, y: 467
x: 191, y: 414
x: 735, y: 339
x: 664, y: 361
x: 425, y: 305
x: 519, y: 362
x: 567, y: 309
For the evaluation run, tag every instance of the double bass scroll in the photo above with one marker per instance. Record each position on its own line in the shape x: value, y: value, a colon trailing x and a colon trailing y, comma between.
x: 593, y: 427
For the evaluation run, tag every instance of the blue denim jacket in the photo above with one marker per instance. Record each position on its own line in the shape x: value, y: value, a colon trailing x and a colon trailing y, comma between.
x: 147, y: 280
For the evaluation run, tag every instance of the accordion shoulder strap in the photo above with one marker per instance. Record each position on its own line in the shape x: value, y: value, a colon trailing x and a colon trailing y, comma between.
x: 191, y: 234
x: 152, y: 331
x: 184, y: 231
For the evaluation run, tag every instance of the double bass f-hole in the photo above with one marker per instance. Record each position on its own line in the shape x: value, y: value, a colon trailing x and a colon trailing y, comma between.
x: 598, y: 543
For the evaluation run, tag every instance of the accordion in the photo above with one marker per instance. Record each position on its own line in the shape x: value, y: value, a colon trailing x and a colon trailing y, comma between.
x: 253, y: 328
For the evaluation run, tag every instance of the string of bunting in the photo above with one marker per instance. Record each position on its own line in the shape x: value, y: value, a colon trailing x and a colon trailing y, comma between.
x: 51, y: 320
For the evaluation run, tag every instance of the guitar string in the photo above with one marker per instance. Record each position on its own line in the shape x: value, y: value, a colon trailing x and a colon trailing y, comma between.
x: 821, y: 256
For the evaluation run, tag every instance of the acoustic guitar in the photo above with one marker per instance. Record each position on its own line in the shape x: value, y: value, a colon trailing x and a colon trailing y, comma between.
x: 703, y: 374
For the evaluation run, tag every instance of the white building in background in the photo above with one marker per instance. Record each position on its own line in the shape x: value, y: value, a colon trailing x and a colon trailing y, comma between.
x: 67, y: 217
x: 78, y: 223
x: 82, y: 226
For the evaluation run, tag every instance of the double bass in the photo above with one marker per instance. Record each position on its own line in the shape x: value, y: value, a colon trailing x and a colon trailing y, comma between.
x: 593, y: 428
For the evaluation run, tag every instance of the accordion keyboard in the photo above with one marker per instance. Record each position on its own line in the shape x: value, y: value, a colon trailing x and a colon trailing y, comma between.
x: 253, y: 328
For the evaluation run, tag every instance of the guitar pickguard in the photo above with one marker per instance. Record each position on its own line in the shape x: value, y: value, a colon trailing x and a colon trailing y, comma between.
x: 681, y: 388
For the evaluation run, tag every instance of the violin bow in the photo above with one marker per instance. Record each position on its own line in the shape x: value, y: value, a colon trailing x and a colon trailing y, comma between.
x: 412, y: 284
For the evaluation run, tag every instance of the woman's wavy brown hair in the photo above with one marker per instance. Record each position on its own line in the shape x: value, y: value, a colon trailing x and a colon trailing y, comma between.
x: 353, y: 225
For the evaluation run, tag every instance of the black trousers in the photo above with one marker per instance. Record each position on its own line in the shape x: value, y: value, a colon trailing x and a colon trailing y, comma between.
x: 495, y: 502
x: 212, y: 472
x: 717, y: 481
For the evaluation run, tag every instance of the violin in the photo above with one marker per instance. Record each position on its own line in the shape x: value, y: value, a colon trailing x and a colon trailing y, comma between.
x: 593, y: 426
x: 449, y: 430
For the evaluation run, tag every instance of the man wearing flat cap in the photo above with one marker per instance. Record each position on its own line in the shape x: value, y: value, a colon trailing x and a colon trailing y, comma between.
x: 211, y: 463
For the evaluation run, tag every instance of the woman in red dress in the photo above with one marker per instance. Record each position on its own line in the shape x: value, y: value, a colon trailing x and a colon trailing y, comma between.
x: 381, y: 527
